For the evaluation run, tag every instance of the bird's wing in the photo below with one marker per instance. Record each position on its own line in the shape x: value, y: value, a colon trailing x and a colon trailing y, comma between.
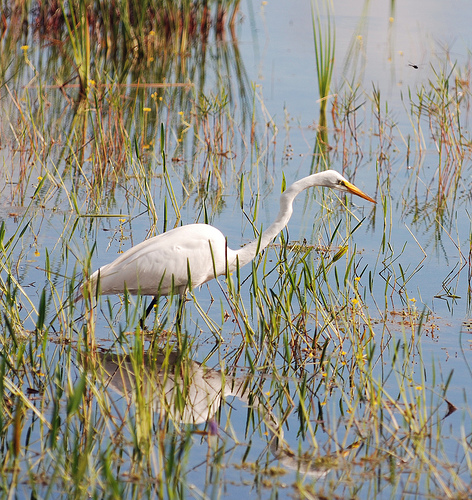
x: 161, y: 265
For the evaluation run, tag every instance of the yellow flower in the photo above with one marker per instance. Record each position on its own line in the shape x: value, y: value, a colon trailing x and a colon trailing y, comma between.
x: 92, y: 83
x: 146, y: 110
x: 152, y: 33
x: 25, y: 47
x: 181, y: 113
x: 36, y: 253
x: 419, y: 388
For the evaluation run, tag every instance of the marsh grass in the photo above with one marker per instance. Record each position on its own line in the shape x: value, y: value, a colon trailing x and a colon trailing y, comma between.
x: 324, y: 40
x: 311, y: 357
x: 320, y: 386
x: 441, y: 104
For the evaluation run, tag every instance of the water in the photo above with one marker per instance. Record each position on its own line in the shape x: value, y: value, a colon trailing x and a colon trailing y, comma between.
x: 306, y: 373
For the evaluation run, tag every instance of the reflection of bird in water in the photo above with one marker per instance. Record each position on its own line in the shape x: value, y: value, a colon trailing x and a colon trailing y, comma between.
x: 191, y: 255
x: 188, y: 393
x: 166, y: 378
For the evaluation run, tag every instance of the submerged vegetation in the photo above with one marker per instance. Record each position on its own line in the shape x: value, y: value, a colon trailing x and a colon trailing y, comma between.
x: 121, y: 121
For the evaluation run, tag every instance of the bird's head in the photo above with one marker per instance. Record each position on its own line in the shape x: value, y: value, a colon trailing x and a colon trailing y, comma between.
x: 335, y: 180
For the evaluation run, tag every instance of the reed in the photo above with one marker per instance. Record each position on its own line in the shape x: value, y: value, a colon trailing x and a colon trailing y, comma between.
x: 325, y: 46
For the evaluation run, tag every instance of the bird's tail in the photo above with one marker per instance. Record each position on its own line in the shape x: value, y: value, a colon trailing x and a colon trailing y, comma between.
x: 79, y: 295
x: 89, y: 286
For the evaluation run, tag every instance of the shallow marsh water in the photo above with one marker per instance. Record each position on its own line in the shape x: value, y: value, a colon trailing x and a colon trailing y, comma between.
x: 344, y: 355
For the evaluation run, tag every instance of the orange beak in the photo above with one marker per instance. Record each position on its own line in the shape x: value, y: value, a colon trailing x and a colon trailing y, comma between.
x: 352, y: 189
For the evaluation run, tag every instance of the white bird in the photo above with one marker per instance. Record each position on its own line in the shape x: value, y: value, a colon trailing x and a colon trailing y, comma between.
x: 191, y: 255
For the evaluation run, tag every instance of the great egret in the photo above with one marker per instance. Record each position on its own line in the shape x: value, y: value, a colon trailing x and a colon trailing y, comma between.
x: 196, y: 253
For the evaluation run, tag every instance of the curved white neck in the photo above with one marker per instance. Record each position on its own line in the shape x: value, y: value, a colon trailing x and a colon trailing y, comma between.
x: 247, y: 253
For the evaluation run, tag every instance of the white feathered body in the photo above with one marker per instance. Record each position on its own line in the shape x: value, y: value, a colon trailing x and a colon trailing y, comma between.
x: 162, y: 265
